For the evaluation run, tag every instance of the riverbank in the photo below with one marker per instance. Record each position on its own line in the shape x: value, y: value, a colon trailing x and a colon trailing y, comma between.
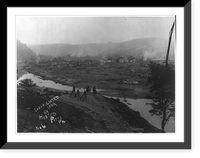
x: 110, y: 88
x: 96, y: 115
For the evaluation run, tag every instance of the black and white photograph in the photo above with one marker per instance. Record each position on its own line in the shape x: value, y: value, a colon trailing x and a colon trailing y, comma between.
x: 91, y: 74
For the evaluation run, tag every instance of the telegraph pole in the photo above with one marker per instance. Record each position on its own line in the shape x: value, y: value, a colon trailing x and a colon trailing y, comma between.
x: 170, y: 37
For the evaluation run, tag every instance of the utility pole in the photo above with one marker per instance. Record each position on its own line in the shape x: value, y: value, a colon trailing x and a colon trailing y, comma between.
x: 170, y: 37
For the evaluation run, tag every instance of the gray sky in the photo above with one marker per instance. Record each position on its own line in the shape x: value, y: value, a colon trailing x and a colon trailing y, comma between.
x: 81, y: 30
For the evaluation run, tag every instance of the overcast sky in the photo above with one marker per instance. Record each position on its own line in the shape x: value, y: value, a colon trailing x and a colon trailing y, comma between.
x: 81, y: 30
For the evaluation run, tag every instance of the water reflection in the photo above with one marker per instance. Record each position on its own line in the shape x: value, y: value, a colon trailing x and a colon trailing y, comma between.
x: 141, y: 106
x: 48, y: 83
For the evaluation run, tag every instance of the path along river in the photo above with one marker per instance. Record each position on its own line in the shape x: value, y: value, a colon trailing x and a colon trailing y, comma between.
x: 135, y: 104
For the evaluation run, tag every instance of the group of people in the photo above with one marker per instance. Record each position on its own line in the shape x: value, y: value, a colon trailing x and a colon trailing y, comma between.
x: 75, y: 93
x: 88, y: 89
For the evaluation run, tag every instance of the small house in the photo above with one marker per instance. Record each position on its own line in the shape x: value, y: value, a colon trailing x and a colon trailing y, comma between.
x: 109, y: 60
x: 131, y: 59
x: 120, y: 60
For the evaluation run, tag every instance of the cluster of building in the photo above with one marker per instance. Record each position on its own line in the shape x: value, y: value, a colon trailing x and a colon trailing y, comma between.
x: 129, y: 59
x: 128, y: 81
x: 63, y: 63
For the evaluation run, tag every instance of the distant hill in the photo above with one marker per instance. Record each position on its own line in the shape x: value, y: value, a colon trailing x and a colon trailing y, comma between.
x: 24, y: 53
x: 154, y: 48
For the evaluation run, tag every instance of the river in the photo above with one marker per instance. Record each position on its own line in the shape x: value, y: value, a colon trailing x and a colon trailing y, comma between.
x: 135, y: 104
x: 141, y: 106
x: 48, y: 83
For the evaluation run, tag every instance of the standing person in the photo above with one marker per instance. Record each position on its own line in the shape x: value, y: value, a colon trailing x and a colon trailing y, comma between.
x: 94, y: 90
x: 88, y: 89
x: 74, y: 88
x: 73, y: 91
x: 84, y: 96
x: 78, y: 94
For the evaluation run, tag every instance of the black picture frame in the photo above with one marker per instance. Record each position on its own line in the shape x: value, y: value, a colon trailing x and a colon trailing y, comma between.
x: 127, y: 145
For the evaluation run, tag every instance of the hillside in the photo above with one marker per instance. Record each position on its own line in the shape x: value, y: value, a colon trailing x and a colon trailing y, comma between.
x: 96, y: 115
x: 24, y: 53
x: 154, y: 48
